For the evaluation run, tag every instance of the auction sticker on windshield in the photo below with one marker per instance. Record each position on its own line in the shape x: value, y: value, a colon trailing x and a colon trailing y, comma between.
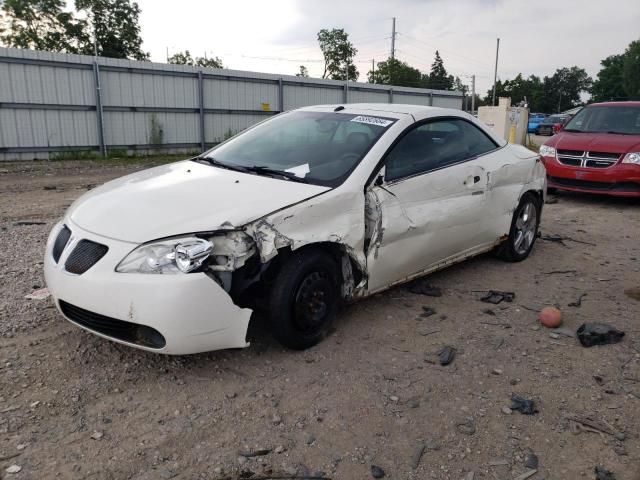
x: 382, y: 122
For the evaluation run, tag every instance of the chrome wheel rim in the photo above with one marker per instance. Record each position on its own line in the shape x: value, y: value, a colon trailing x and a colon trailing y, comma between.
x: 526, y: 224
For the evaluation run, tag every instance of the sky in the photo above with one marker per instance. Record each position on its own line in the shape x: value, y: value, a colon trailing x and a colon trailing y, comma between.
x: 276, y: 36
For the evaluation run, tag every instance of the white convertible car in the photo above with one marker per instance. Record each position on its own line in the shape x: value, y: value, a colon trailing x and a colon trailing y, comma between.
x: 292, y: 217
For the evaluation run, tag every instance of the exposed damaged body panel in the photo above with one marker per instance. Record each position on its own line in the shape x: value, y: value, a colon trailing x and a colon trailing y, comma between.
x: 430, y: 187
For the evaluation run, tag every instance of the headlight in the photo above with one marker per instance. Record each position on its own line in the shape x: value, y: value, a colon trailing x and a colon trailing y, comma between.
x: 168, y: 256
x: 632, y: 157
x: 546, y: 151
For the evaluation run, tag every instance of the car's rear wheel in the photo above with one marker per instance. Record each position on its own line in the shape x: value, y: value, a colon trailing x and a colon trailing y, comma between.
x: 304, y: 299
x: 524, y: 229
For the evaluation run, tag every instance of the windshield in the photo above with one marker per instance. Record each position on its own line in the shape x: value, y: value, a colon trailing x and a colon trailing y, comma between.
x: 553, y: 119
x: 612, y: 119
x: 315, y: 147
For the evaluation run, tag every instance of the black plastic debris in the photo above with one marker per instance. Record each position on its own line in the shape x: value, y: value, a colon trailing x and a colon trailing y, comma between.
x: 377, y: 472
x: 604, y: 474
x: 421, y: 287
x: 531, y: 460
x: 591, y: 334
x: 446, y: 355
x: 495, y: 297
x: 527, y: 407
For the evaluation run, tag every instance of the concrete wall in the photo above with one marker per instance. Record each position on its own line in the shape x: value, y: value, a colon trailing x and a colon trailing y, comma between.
x: 50, y: 106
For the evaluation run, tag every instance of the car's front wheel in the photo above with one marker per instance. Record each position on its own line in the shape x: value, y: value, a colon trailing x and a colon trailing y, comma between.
x: 524, y: 229
x: 304, y: 299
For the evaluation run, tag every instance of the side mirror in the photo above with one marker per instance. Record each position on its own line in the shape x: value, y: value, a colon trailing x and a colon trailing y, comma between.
x: 379, y: 181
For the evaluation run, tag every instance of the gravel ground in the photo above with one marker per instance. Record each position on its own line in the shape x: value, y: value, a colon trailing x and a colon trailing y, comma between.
x: 372, y: 394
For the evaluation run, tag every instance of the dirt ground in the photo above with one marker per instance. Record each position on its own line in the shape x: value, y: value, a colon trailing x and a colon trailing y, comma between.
x: 73, y: 405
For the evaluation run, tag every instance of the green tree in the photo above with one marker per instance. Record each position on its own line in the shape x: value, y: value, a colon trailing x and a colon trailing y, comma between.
x: 438, y: 77
x: 395, y: 72
x: 185, y: 58
x: 41, y: 25
x: 631, y: 69
x: 338, y: 54
x: 115, y: 26
x: 609, y: 83
x: 565, y: 87
x: 303, y: 72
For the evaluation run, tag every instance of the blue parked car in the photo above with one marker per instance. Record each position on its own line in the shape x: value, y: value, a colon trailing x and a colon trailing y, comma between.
x: 534, y: 120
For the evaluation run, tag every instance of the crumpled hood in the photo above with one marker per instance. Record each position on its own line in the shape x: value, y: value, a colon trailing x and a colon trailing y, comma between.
x: 182, y: 197
x: 596, y: 142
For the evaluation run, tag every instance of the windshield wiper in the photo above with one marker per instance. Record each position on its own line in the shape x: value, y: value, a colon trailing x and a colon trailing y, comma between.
x: 572, y: 130
x: 217, y: 163
x: 618, y: 133
x: 273, y: 172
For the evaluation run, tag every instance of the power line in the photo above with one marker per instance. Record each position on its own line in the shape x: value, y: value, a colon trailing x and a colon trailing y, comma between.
x: 447, y: 51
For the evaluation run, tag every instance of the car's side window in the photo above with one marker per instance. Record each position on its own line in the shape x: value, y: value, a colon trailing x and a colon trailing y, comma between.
x: 434, y: 145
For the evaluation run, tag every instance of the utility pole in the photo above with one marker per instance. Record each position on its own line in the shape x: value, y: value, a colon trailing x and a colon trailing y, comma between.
x: 393, y: 38
x: 473, y: 94
x: 373, y: 70
x: 495, y: 74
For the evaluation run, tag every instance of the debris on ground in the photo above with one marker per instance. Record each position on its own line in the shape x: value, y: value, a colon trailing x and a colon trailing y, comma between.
x: 254, y: 453
x: 591, y: 334
x: 13, y: 469
x: 560, y: 239
x: 523, y: 405
x: 550, y: 317
x: 495, y: 297
x: 604, y: 474
x: 40, y: 294
x: 427, y: 312
x: 377, y: 472
x: 466, y: 426
x: 488, y: 311
x: 421, y: 287
x: 579, y: 423
x: 565, y: 332
x: 28, y: 222
x: 527, y: 474
x: 560, y: 272
x: 446, y: 355
x: 417, y: 455
x: 531, y: 461
x: 578, y: 302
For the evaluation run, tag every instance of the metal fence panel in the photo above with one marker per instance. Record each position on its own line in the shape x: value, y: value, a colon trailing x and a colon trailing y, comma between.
x: 50, y: 103
x: 296, y: 96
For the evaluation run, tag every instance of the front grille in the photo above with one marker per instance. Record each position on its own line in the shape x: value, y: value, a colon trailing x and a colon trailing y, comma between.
x: 111, y: 327
x: 604, y: 186
x: 573, y: 153
x: 60, y: 243
x: 84, y: 256
x: 578, y: 158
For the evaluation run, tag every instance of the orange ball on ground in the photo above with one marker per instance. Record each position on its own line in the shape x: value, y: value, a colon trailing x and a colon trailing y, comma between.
x: 550, y: 317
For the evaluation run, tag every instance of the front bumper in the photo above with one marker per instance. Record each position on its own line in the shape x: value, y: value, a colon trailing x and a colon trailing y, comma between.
x: 190, y: 311
x: 620, y: 180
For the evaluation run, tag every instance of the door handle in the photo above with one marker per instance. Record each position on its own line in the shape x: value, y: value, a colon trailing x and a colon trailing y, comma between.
x: 470, y: 180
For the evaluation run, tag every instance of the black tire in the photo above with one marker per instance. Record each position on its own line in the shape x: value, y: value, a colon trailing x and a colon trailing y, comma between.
x: 552, y: 190
x: 304, y: 299
x: 513, y: 249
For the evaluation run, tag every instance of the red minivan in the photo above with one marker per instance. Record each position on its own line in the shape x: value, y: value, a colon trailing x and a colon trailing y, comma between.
x: 597, y: 151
